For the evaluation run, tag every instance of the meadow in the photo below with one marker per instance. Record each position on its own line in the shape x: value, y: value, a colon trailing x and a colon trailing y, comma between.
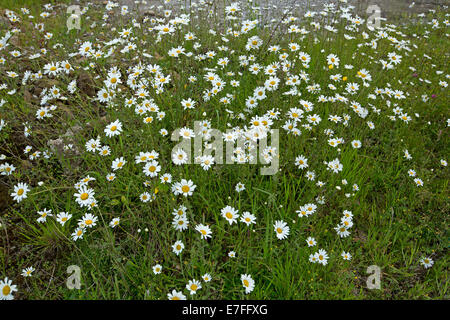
x: 91, y: 177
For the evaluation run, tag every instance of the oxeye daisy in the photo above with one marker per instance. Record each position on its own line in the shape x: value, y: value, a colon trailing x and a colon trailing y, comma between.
x: 7, y: 289
x: 346, y: 256
x: 322, y: 257
x: 7, y: 169
x: 301, y: 162
x: 342, y: 231
x: 43, y: 214
x: 77, y: 234
x: 230, y: 214
x: 184, y: 187
x: 105, y: 151
x: 418, y: 182
x: 113, y: 129
x: 27, y: 272
x: 88, y: 220
x: 63, y: 217
x: 84, y: 196
x: 281, y: 229
x: 248, y: 218
x: 356, y: 144
x: 206, y: 277
x: 427, y: 262
x: 180, y: 211
x: 204, y: 230
x: 176, y: 295
x: 181, y: 223
x: 118, y: 163
x: 114, y: 222
x: 20, y: 191
x: 178, y: 247
x: 248, y: 283
x: 179, y: 157
x: 193, y: 285
x: 145, y: 197
x: 240, y: 187
x: 93, y: 145
x: 311, y: 242
x: 157, y: 269
x: 152, y: 168
x: 206, y: 162
x: 166, y: 178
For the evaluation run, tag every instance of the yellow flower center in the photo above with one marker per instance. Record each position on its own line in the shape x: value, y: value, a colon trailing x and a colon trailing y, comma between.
x: 84, y: 196
x: 246, y: 283
x: 20, y: 192
x: 6, y: 290
x: 185, y: 189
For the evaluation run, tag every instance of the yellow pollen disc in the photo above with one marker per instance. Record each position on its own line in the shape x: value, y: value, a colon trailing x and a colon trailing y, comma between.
x: 6, y: 290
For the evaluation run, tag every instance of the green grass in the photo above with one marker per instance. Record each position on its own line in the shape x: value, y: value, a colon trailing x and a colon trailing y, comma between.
x: 396, y: 223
